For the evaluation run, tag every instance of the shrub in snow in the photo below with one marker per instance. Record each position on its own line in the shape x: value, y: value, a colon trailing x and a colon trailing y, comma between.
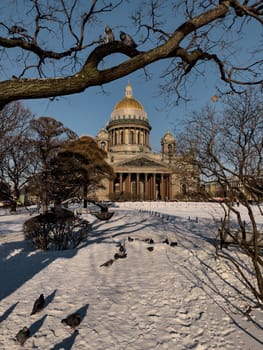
x: 59, y: 229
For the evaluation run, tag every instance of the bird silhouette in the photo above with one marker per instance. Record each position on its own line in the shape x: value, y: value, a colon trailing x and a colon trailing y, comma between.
x: 149, y: 240
x: 150, y: 249
x: 23, y: 335
x: 16, y: 30
x: 120, y: 256
x: 127, y: 40
x: 122, y: 248
x: 72, y: 320
x: 109, y: 35
x: 166, y: 241
x: 38, y: 304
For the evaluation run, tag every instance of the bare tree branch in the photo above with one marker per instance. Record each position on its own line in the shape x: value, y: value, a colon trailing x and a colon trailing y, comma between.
x: 191, y: 43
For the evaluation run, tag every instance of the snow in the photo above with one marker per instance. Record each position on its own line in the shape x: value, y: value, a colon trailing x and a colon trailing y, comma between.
x: 172, y: 298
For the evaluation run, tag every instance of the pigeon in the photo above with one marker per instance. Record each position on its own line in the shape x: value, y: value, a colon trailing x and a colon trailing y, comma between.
x: 120, y: 256
x: 23, y: 335
x: 149, y: 240
x: 107, y: 263
x: 166, y: 241
x: 38, y: 305
x: 72, y: 320
x: 150, y: 249
x: 16, y: 30
x: 127, y: 40
x: 109, y: 35
x: 122, y: 248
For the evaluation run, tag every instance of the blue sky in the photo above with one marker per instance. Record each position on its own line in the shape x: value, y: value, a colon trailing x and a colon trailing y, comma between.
x: 88, y: 112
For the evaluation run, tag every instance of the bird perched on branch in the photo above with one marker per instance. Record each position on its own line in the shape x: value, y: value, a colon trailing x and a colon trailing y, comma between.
x: 72, y: 320
x: 109, y: 35
x: 38, y: 304
x: 16, y: 30
x: 23, y: 335
x: 127, y: 40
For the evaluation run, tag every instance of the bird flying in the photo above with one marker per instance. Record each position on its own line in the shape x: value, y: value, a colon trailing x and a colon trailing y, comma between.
x: 23, y: 335
x: 38, y: 304
x: 127, y: 40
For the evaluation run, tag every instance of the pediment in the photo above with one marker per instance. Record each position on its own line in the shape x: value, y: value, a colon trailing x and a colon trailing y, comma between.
x: 141, y: 162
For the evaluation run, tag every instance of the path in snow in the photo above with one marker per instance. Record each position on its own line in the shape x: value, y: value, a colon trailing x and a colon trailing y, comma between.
x: 170, y: 298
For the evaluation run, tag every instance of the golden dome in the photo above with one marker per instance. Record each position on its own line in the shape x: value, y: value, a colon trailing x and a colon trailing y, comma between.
x: 102, y: 134
x: 168, y: 137
x: 128, y: 101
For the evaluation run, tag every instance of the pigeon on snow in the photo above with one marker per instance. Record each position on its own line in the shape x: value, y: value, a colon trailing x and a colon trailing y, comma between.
x: 38, y: 304
x: 127, y: 40
x: 109, y: 35
x: 72, y: 320
x: 120, y: 255
x: 23, y: 335
x: 122, y: 247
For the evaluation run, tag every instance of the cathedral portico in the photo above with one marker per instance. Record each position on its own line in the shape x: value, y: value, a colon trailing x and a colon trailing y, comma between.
x: 141, y: 186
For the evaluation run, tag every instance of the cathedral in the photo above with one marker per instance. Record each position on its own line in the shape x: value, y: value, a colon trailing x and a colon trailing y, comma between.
x: 141, y: 174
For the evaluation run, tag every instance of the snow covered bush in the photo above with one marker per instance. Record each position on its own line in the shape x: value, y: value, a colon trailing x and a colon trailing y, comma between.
x: 57, y: 230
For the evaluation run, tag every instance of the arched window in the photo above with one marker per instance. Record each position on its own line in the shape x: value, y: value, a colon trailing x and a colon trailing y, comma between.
x: 103, y: 145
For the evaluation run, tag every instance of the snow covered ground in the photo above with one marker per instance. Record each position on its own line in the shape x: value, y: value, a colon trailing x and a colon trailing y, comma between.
x: 171, y: 298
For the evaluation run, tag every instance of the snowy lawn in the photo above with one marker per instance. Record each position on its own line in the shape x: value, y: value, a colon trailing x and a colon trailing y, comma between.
x: 171, y: 298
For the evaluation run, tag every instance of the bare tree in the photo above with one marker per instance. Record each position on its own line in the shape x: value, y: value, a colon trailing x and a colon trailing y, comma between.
x: 229, y: 151
x: 17, y: 160
x: 48, y: 138
x: 53, y: 48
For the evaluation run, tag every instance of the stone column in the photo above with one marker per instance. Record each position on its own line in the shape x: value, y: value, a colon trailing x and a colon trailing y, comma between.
x: 137, y: 184
x: 154, y: 186
x: 145, y: 186
x: 129, y: 183
x: 162, y: 188
x: 111, y: 186
x: 169, y: 192
x: 121, y: 183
